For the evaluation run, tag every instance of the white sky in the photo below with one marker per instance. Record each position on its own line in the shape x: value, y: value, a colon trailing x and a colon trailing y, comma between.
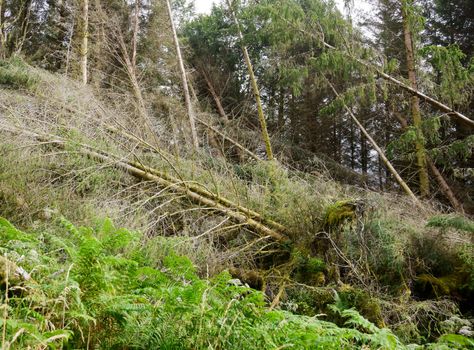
x: 204, y: 6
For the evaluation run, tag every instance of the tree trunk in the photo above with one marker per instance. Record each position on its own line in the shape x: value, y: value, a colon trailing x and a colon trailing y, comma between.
x: 24, y: 27
x: 195, y: 192
x: 2, y: 38
x: 415, y: 104
x: 136, y: 24
x: 256, y: 91
x: 233, y: 142
x: 69, y: 46
x: 443, y: 184
x: 184, y: 81
x: 353, y: 145
x: 364, y: 157
x: 132, y: 74
x: 216, y: 97
x: 85, y: 40
x: 281, y: 109
x: 387, y: 163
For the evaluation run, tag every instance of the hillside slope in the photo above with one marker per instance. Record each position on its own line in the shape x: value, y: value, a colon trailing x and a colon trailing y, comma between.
x: 309, y: 244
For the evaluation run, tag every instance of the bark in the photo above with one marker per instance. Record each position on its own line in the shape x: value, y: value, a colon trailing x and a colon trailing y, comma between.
x: 184, y: 81
x: 199, y: 189
x: 281, y: 109
x: 444, y: 187
x: 382, y: 156
x: 69, y: 45
x: 137, y: 92
x: 2, y: 38
x: 85, y: 40
x: 256, y: 91
x: 415, y: 105
x: 24, y: 27
x: 238, y: 216
x: 136, y: 24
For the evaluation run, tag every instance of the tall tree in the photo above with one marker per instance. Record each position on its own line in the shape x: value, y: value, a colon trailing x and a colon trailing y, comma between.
x: 184, y: 80
x: 451, y: 22
x: 85, y: 40
x: 253, y: 81
x: 407, y: 14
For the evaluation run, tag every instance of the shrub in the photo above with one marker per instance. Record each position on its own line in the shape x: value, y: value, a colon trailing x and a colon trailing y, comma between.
x: 14, y: 73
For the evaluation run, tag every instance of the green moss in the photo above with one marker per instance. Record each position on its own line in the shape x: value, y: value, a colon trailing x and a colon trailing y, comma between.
x: 340, y: 213
x: 309, y: 270
x: 441, y: 286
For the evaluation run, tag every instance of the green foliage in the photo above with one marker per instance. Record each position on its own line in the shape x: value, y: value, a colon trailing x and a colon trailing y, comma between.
x: 452, y: 221
x: 453, y: 341
x: 459, y: 150
x: 100, y: 287
x: 385, y: 251
x: 456, y: 82
x: 14, y: 73
x: 382, y: 337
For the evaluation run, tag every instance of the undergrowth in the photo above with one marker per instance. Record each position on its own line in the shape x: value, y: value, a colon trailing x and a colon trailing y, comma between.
x: 104, y: 288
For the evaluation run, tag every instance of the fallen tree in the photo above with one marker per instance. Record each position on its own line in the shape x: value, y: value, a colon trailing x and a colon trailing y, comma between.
x: 198, y: 194
x: 379, y: 71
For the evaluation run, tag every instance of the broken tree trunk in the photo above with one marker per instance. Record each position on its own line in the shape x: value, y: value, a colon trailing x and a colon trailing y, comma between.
x: 130, y: 66
x: 213, y: 92
x: 2, y: 39
x: 136, y: 26
x: 381, y: 153
x: 196, y: 197
x: 212, y: 196
x: 200, y: 189
x: 253, y: 81
x: 235, y: 143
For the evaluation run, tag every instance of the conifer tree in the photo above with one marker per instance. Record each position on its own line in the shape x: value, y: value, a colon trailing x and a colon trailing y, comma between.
x: 407, y: 8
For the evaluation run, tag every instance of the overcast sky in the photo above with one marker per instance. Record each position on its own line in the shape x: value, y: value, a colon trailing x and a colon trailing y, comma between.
x: 204, y: 6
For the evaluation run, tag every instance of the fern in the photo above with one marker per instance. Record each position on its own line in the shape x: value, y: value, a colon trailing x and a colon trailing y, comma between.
x: 98, y: 288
